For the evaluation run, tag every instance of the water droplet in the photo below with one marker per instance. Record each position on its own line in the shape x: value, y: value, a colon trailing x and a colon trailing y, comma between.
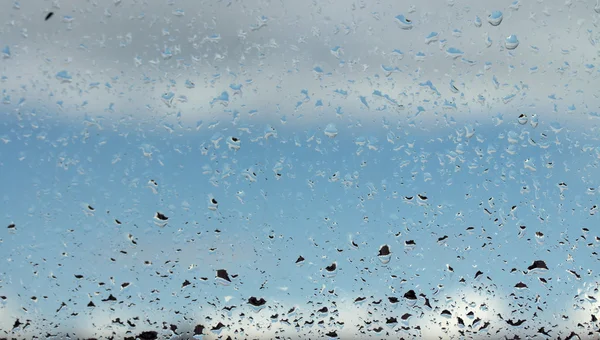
x: 336, y: 51
x: 433, y: 36
x: 331, y: 131
x: 477, y: 21
x: 270, y: 132
x: 189, y: 84
x: 64, y: 77
x: 495, y: 18
x: 213, y: 205
x: 223, y: 99
x: 403, y: 22
x: 384, y: 254
x: 6, y: 52
x: 534, y: 121
x: 488, y: 41
x: 222, y: 277
x: 168, y: 98
x: 522, y: 119
x: 469, y: 131
x: 511, y: 42
x: 331, y: 270
x: 233, y: 143
x: 454, y: 52
x: 528, y: 164
x: 453, y: 88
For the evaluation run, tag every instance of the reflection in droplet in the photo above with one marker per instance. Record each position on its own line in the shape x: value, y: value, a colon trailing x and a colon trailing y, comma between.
x: 511, y: 42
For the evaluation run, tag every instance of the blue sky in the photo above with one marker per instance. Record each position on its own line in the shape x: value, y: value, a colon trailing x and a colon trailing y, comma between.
x: 262, y: 132
x: 276, y: 220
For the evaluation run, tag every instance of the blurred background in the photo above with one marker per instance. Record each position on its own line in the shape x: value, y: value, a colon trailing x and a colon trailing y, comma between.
x: 368, y: 169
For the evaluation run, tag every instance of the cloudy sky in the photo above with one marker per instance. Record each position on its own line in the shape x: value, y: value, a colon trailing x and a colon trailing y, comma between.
x: 271, y: 48
x: 324, y: 130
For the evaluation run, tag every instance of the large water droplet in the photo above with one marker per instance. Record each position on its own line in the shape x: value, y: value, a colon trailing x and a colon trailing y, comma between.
x: 495, y: 18
x: 511, y: 42
x: 403, y: 22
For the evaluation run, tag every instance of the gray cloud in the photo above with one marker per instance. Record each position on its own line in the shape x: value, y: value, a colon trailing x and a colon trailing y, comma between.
x: 102, y: 41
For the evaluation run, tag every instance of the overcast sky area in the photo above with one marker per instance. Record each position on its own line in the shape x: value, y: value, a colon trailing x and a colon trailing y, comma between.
x: 260, y: 169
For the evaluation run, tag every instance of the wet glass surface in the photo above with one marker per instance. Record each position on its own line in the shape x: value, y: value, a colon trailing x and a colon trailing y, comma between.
x: 280, y: 169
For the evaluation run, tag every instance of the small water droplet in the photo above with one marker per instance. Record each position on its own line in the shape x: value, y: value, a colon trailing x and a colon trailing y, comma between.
x: 331, y: 131
x: 433, y: 36
x: 534, y: 121
x: 454, y: 52
x: 6, y: 52
x: 453, y: 87
x: 488, y: 42
x: 64, y: 77
x: 511, y: 42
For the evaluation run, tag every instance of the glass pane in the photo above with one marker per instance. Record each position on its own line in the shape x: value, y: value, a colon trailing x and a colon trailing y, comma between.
x: 262, y: 169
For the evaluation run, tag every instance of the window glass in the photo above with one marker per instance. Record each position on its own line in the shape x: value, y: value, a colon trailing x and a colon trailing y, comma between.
x: 289, y: 169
